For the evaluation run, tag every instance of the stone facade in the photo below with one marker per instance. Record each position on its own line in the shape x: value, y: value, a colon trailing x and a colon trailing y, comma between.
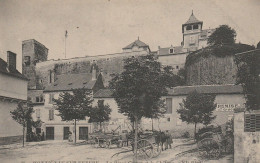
x: 33, y: 53
x: 212, y: 70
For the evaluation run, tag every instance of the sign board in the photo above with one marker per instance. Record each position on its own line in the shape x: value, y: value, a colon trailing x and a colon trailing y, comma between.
x: 227, y: 107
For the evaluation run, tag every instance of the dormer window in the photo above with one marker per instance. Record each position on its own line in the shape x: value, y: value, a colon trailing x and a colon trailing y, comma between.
x: 196, y: 26
x: 188, y: 27
x: 171, y: 51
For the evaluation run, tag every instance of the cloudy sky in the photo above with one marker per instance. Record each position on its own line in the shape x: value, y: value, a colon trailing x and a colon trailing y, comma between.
x: 97, y: 27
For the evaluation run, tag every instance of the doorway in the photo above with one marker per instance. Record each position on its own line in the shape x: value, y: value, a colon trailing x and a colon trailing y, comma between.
x: 83, y: 133
x: 49, y: 133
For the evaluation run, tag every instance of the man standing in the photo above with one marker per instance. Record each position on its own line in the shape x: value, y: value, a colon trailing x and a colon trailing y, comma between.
x: 168, y: 140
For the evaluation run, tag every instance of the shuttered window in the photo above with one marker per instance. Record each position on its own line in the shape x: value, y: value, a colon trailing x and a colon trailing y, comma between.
x: 51, y: 114
x: 38, y: 113
x: 168, y: 105
x: 252, y: 123
x: 51, y: 98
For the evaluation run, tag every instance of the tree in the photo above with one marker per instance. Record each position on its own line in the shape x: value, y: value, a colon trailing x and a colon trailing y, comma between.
x: 222, y: 35
x: 23, y: 115
x: 100, y: 113
x: 248, y: 75
x: 197, y: 108
x: 139, y: 88
x: 74, y: 106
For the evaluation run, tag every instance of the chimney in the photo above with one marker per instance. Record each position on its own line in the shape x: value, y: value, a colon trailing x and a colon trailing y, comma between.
x: 11, y: 60
x: 94, y: 71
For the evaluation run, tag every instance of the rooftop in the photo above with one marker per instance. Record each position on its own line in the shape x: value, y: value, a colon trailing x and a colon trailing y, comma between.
x: 208, y: 89
x: 11, y: 72
x: 176, y: 50
x: 67, y: 82
x: 192, y: 20
x: 136, y: 43
x: 185, y: 90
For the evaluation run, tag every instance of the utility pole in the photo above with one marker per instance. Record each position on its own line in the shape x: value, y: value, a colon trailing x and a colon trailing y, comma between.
x: 66, y: 35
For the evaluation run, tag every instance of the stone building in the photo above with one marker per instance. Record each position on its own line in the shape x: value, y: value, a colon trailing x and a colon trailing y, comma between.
x: 13, y: 89
x: 53, y: 126
x: 228, y: 97
x: 194, y: 38
x: 44, y: 73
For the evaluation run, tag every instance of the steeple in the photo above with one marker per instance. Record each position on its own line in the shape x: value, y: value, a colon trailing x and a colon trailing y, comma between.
x: 191, y: 21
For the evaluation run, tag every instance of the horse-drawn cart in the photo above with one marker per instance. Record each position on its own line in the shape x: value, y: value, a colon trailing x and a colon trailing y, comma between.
x: 213, y: 143
x: 148, y: 145
x: 105, y: 140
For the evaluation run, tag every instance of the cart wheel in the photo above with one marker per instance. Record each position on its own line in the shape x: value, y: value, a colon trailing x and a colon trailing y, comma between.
x: 209, y: 148
x: 144, y: 149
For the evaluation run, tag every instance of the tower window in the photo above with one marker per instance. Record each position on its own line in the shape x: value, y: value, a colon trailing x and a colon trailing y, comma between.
x: 27, y: 60
x: 196, y: 26
x: 188, y: 27
x: 192, y: 40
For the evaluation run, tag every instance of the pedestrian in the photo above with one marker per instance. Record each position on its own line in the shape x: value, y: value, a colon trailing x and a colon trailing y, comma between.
x: 42, y: 135
x: 70, y: 136
x: 124, y: 138
x: 168, y: 140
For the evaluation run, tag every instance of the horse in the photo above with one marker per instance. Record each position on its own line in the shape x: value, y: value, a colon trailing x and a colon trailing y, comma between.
x: 160, y: 139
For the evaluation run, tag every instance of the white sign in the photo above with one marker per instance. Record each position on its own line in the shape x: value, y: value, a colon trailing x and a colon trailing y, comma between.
x: 227, y: 107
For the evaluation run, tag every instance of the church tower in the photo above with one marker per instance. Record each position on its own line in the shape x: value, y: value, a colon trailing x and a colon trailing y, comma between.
x: 191, y: 31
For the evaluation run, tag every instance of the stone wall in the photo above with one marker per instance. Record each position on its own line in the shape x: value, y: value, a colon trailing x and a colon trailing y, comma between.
x: 107, y: 64
x: 212, y: 70
x: 246, y: 144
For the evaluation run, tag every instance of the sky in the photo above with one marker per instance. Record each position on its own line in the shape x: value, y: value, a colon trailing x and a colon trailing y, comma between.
x: 98, y: 27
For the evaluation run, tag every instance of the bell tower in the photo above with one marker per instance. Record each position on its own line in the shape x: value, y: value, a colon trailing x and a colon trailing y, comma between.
x: 191, y: 32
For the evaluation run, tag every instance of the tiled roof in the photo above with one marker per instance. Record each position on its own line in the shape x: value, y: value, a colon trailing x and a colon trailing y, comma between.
x: 67, y: 82
x: 103, y: 93
x: 11, y: 72
x: 208, y: 89
x: 137, y: 43
x: 166, y: 51
x: 192, y: 20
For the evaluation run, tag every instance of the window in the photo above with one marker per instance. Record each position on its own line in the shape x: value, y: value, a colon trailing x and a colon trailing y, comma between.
x: 188, y: 27
x: 252, y: 123
x: 51, y: 98
x: 38, y: 114
x: 27, y: 60
x: 168, y: 119
x: 51, y: 114
x: 168, y: 105
x: 196, y: 26
x: 39, y: 99
x: 192, y: 40
x: 171, y: 51
x: 100, y: 103
x: 177, y: 67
